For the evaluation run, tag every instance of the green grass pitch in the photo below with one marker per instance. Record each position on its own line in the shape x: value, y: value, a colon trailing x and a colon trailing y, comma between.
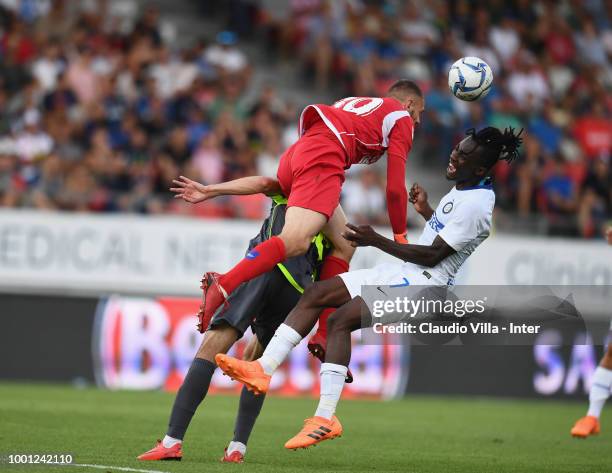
x: 418, y: 434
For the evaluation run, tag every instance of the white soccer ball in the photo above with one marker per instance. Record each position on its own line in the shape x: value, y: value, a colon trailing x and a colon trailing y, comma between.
x: 470, y: 78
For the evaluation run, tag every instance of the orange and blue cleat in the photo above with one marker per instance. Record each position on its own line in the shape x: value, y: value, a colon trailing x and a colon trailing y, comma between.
x: 234, y: 457
x: 159, y: 452
x: 315, y: 430
x: 588, y: 425
x: 249, y: 373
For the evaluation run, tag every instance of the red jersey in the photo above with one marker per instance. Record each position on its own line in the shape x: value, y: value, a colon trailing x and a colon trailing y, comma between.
x: 366, y: 127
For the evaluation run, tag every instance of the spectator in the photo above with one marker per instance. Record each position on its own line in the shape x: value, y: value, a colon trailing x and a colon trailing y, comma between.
x: 47, y: 68
x: 32, y: 142
x: 225, y: 55
x: 116, y: 110
x: 526, y: 83
x: 82, y: 78
x: 594, y: 132
x: 596, y: 199
x: 558, y: 198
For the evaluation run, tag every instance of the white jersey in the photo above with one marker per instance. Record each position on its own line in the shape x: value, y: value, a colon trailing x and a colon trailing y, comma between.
x: 463, y: 220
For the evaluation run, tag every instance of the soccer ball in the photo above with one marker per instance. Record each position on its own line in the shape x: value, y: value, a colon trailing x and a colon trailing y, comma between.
x: 470, y: 78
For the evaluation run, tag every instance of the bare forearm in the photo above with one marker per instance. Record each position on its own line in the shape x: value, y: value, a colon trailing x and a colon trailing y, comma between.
x: 417, y: 254
x: 426, y: 211
x: 247, y: 185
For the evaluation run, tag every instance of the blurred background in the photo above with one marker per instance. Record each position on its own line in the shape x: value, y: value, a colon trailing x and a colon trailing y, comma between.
x: 104, y: 102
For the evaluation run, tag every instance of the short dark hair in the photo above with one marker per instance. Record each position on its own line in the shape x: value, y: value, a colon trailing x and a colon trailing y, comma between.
x: 496, y: 145
x: 404, y: 87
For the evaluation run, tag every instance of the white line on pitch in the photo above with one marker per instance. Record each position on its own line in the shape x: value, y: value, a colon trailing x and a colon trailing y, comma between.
x: 118, y: 468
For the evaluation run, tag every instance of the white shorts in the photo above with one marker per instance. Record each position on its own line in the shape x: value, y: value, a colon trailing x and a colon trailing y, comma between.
x: 387, y: 274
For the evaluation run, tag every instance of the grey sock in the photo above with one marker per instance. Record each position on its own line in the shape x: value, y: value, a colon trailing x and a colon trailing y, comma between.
x: 248, y: 411
x: 189, y: 396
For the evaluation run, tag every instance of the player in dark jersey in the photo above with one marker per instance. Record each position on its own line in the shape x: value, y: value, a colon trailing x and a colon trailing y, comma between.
x: 311, y: 173
x: 262, y: 303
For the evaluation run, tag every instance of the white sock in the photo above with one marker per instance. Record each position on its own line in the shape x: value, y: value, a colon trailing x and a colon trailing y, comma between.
x: 332, y: 382
x: 600, y: 390
x: 236, y: 446
x: 283, y: 341
x: 169, y: 442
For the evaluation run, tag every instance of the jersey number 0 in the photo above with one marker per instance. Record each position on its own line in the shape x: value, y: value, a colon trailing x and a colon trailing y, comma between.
x: 359, y: 105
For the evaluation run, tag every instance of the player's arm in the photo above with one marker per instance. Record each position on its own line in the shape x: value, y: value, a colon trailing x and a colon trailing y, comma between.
x: 400, y: 142
x: 429, y: 256
x: 418, y: 198
x: 195, y: 192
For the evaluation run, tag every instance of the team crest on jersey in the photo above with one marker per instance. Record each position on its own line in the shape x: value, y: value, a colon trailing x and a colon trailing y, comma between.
x: 447, y: 207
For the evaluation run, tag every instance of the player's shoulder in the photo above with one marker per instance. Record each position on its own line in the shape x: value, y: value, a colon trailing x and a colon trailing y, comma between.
x: 479, y: 199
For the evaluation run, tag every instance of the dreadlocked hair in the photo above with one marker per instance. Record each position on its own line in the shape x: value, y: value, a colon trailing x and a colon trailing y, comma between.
x: 497, y: 146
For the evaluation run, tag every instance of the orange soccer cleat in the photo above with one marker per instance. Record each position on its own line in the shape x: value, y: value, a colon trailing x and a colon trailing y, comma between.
x: 588, y: 425
x: 315, y: 430
x: 234, y: 457
x: 213, y: 296
x: 159, y: 452
x: 249, y: 373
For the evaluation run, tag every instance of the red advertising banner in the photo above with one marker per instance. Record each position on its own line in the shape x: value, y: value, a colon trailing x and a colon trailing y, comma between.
x: 149, y: 343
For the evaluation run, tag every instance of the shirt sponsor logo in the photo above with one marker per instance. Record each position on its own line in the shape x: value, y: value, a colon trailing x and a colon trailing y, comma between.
x: 435, y: 224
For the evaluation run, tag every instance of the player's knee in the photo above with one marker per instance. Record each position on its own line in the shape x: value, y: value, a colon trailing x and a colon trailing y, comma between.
x: 318, y: 295
x: 343, y: 251
x: 311, y: 295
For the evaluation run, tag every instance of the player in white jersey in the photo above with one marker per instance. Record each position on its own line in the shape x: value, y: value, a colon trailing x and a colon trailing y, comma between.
x: 453, y: 231
x: 601, y: 388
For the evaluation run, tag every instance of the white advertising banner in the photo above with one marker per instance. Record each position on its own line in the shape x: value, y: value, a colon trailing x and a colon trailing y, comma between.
x: 72, y: 253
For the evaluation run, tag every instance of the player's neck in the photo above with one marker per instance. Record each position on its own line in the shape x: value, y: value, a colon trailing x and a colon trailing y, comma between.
x: 468, y: 183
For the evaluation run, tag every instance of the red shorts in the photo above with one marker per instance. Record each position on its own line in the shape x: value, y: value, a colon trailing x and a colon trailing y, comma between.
x: 311, y: 171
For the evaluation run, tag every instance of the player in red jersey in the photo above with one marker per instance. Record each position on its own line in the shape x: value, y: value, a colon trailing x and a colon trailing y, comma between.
x: 311, y: 173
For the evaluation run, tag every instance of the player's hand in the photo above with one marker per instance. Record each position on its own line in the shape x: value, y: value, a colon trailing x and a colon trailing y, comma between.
x: 609, y: 235
x: 192, y: 191
x: 400, y: 238
x: 360, y: 235
x: 418, y: 197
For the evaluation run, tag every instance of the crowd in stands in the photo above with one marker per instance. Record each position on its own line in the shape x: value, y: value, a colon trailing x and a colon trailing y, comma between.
x: 99, y: 111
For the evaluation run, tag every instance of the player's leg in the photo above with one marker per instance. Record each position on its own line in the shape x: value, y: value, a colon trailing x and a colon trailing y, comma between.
x: 601, y: 387
x: 312, y: 172
x: 280, y: 298
x: 249, y: 408
x: 301, y: 225
x: 346, y: 319
x: 256, y: 375
x: 192, y: 392
x: 337, y: 262
x: 324, y: 425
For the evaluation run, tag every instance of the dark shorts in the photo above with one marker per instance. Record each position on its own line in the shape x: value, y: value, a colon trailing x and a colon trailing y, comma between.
x: 262, y: 303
